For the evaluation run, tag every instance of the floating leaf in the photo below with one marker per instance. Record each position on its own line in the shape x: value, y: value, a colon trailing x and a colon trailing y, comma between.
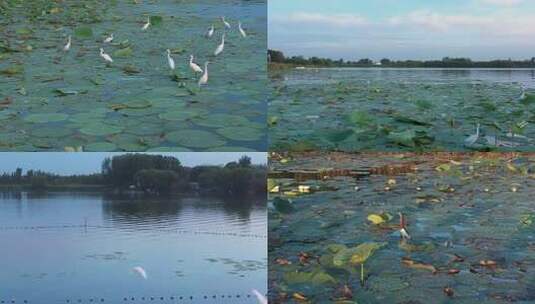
x: 195, y: 139
x: 241, y: 133
x: 100, y: 147
x: 100, y: 129
x: 156, y: 20
x: 123, y: 53
x: 317, y: 277
x: 355, y: 255
x: 47, y: 117
x: 83, y: 32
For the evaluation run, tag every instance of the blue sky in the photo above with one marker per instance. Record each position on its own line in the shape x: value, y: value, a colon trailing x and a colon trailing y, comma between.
x: 88, y: 162
x: 403, y: 29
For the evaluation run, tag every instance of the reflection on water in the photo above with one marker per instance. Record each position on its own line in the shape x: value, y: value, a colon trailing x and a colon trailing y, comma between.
x: 79, y: 245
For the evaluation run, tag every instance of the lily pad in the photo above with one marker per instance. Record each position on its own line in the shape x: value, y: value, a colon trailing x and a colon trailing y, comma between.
x: 83, y: 32
x: 355, y: 255
x: 123, y: 53
x: 195, y: 139
x: 100, y: 147
x: 44, y: 118
x: 100, y: 129
x: 241, y: 133
x: 317, y: 277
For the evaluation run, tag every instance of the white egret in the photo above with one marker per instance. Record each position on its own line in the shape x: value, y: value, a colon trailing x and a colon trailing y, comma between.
x: 261, y: 298
x: 109, y: 39
x: 523, y: 94
x: 105, y: 56
x: 195, y: 67
x: 67, y: 47
x: 146, y: 26
x: 470, y: 140
x: 242, y: 32
x: 220, y: 47
x: 140, y: 271
x: 227, y: 25
x: 170, y: 60
x: 210, y: 32
x: 403, y: 228
x: 204, y: 77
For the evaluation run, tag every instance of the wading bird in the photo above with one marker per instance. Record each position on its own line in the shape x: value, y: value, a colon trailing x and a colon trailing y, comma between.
x: 105, y: 56
x: 210, y: 32
x: 67, y: 47
x: 220, y: 47
x: 146, y: 26
x: 261, y: 298
x: 140, y: 271
x: 470, y: 140
x: 109, y: 39
x: 403, y: 228
x: 227, y: 25
x: 170, y: 60
x: 523, y: 94
x: 204, y: 77
x: 195, y: 67
x: 242, y: 32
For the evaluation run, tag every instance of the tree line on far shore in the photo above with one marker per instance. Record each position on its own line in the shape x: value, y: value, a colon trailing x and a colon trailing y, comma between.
x: 446, y: 62
x: 155, y: 174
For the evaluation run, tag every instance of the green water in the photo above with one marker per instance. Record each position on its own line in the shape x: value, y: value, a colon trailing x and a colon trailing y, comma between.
x: 476, y: 208
x: 55, y: 100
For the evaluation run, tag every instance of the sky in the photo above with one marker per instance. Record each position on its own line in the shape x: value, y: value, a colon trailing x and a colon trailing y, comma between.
x: 89, y: 162
x: 403, y: 29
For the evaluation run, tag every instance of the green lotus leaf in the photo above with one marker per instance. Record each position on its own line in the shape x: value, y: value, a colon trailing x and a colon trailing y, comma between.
x: 100, y: 129
x: 195, y: 139
x: 100, y: 147
x: 222, y: 120
x: 355, y: 255
x: 51, y: 132
x: 83, y: 32
x: 123, y: 53
x: 241, y: 133
x: 46, y: 117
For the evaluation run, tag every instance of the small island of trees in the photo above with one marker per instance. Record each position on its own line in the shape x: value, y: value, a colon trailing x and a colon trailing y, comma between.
x: 277, y: 58
x: 154, y: 174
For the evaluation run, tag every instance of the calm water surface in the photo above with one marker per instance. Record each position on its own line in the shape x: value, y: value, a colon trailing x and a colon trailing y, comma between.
x: 82, y: 248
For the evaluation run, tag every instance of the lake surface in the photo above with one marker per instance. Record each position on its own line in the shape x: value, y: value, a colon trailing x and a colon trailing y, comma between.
x: 52, y: 100
x: 402, y: 109
x: 478, y: 207
x: 81, y: 248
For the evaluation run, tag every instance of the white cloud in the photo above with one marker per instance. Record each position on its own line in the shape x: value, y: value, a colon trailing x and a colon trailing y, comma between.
x: 336, y: 20
x: 484, y: 25
x: 502, y: 2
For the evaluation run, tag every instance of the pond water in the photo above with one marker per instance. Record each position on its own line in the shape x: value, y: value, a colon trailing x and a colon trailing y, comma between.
x: 53, y: 100
x: 463, y: 213
x: 82, y: 248
x: 402, y: 109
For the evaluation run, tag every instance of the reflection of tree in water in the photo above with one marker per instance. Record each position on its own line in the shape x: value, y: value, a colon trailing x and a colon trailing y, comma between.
x: 131, y: 210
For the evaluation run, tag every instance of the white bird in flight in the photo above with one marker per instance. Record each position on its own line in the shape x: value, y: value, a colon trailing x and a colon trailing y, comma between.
x: 220, y: 47
x: 140, y: 271
x: 242, y: 32
x: 105, y: 56
x: 227, y: 25
x: 261, y: 298
x: 109, y: 39
x: 470, y: 140
x: 195, y: 67
x: 210, y: 31
x: 67, y: 47
x: 170, y: 60
x: 146, y: 26
x: 204, y: 77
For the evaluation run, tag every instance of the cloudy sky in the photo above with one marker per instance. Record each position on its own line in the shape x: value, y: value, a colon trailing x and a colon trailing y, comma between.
x: 403, y: 29
x: 89, y: 162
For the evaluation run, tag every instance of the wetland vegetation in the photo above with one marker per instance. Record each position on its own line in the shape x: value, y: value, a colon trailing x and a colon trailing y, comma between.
x: 334, y: 228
